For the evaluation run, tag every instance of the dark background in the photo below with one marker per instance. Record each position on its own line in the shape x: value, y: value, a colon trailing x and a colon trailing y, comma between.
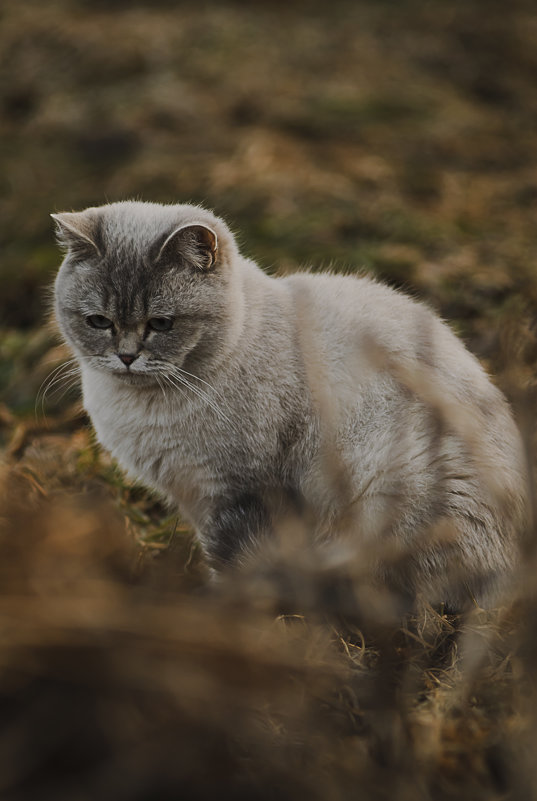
x: 394, y: 137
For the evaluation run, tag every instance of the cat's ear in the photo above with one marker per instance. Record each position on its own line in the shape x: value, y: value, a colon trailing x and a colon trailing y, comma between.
x: 77, y: 231
x: 195, y: 243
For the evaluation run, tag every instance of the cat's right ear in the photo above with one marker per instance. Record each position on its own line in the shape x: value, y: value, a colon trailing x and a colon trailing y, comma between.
x: 77, y: 232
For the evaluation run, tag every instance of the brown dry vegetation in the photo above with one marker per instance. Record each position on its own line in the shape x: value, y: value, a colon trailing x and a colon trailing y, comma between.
x: 399, y: 138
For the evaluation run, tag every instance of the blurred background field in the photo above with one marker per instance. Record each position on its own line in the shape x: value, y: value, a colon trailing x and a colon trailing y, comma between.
x: 396, y: 138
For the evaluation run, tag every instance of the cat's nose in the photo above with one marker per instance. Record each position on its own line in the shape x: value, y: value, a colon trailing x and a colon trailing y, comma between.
x: 128, y: 358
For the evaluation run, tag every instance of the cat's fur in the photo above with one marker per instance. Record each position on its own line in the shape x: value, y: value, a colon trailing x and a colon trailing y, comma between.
x: 334, y: 397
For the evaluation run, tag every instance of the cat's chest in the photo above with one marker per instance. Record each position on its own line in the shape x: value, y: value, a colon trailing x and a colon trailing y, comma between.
x: 154, y: 441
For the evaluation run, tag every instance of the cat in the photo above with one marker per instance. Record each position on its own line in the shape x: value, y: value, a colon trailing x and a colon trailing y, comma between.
x: 242, y: 398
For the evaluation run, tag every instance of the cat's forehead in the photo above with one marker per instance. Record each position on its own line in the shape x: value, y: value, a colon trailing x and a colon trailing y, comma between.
x: 128, y: 287
x: 132, y: 226
x: 131, y: 302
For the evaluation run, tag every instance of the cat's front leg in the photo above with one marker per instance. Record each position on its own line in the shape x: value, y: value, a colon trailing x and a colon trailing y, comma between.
x: 236, y: 527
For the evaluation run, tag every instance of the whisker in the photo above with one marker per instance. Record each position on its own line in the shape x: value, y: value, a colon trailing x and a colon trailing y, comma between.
x: 71, y: 385
x: 57, y: 384
x: 57, y: 369
x: 180, y: 374
x: 168, y: 379
x: 161, y: 385
x: 202, y: 380
x: 201, y: 394
x: 60, y: 377
x: 60, y: 373
x: 172, y: 380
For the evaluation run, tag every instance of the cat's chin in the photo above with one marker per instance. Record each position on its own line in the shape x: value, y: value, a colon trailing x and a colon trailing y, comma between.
x: 135, y: 379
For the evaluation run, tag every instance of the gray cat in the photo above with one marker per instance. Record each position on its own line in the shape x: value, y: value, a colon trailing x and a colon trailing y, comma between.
x: 244, y: 399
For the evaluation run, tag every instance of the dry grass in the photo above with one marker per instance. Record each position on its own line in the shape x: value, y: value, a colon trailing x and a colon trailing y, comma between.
x: 396, y: 137
x: 124, y: 675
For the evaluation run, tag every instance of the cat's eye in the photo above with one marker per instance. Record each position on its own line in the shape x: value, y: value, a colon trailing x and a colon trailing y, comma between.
x: 159, y: 323
x: 98, y: 321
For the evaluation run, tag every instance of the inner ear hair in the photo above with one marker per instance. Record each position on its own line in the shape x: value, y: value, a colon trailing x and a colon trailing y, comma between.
x: 195, y: 243
x: 77, y: 232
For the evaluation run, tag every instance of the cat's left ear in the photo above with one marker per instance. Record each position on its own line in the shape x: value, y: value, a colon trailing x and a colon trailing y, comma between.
x: 197, y: 244
x: 77, y: 231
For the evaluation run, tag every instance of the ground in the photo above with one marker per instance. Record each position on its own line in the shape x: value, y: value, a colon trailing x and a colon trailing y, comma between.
x: 396, y: 139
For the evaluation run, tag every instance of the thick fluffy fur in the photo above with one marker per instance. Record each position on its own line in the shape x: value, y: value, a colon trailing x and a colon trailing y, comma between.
x: 333, y: 397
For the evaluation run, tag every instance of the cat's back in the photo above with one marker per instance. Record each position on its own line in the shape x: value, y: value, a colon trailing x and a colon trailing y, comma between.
x: 359, y: 316
x: 371, y: 341
x: 348, y: 303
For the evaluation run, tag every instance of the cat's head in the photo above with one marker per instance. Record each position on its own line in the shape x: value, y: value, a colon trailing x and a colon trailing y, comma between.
x: 144, y: 287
